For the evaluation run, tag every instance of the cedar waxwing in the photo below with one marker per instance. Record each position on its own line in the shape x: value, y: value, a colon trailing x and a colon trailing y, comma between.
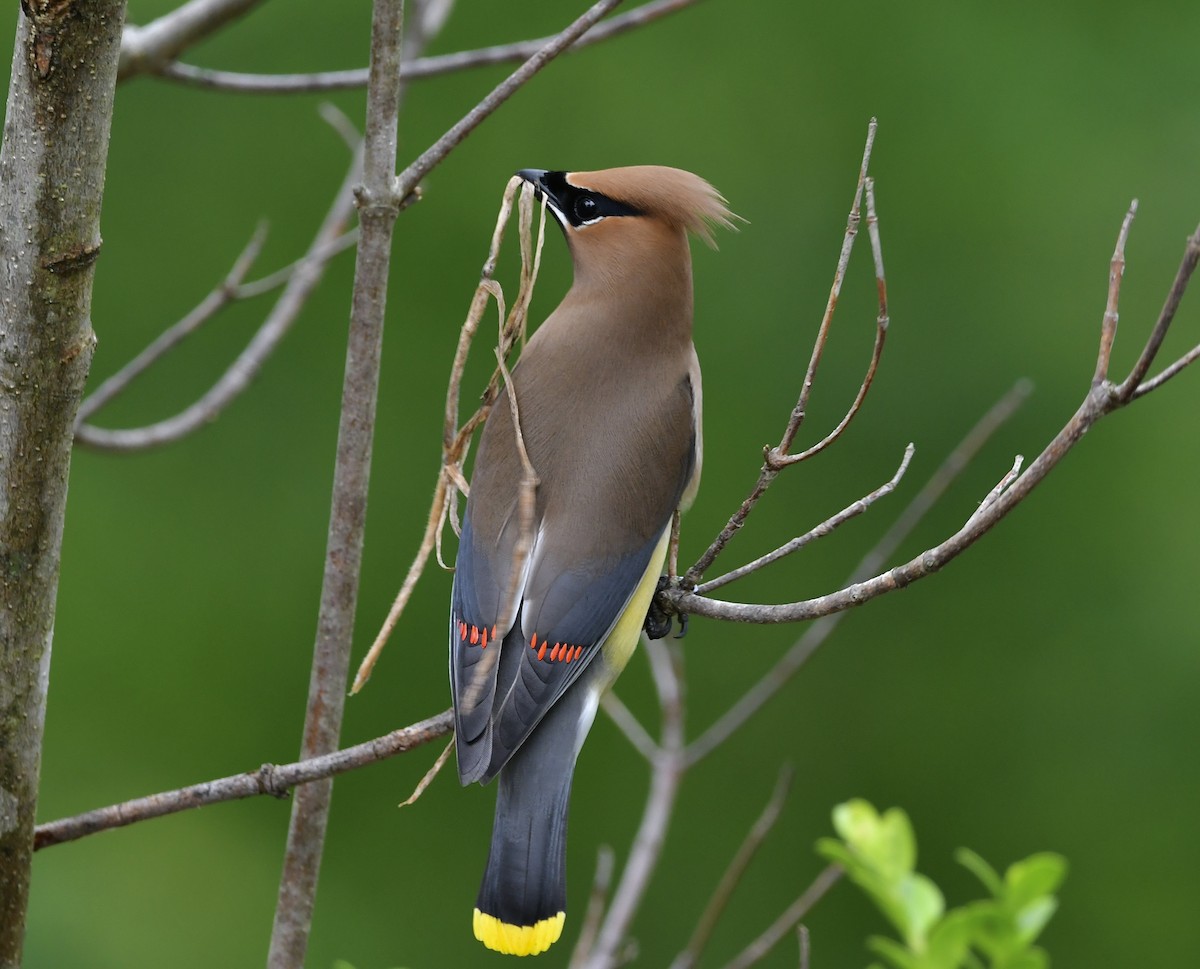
x: 543, y: 617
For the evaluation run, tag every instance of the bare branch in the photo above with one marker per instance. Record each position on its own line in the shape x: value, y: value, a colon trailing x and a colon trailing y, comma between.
x: 758, y: 949
x: 780, y: 456
x: 1168, y: 372
x: 420, y: 68
x: 269, y: 779
x: 407, y: 180
x: 148, y: 49
x: 1133, y: 386
x: 1102, y: 399
x: 825, y: 528
x: 737, y: 868
x: 605, y: 862
x: 378, y: 208
x: 1116, y: 272
x: 801, y: 408
x: 666, y: 775
x: 214, y: 302
x: 775, y: 459
x: 816, y: 634
x: 629, y: 725
x: 1009, y: 477
x: 302, y: 281
x: 429, y: 775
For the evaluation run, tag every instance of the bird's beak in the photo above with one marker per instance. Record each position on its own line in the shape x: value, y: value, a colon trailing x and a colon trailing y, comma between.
x: 537, y: 178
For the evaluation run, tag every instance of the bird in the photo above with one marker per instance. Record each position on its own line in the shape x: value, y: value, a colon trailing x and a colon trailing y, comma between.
x: 547, y: 608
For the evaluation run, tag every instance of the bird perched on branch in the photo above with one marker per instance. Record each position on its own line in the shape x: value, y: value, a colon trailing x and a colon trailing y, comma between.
x: 551, y: 589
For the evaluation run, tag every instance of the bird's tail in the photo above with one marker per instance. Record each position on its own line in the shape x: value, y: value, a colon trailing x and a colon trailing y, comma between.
x: 523, y: 899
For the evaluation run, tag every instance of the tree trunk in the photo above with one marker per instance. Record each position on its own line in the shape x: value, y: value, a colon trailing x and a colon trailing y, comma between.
x: 52, y: 164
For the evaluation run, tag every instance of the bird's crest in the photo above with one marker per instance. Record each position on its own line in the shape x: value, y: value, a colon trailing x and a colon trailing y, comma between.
x: 671, y: 194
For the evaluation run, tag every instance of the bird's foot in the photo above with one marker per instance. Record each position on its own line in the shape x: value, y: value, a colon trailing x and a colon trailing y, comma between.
x: 659, y: 620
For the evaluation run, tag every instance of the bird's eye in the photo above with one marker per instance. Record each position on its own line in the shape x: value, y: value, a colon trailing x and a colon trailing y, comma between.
x: 586, y: 208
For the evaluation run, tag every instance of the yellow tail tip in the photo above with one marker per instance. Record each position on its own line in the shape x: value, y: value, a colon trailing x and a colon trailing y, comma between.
x: 518, y: 940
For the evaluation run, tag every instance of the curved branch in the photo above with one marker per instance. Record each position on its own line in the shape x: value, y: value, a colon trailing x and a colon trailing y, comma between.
x: 317, y: 81
x: 270, y: 779
x: 148, y: 49
x: 777, y: 458
x: 407, y: 180
x: 304, y: 278
x: 667, y: 772
x: 825, y: 528
x: 819, y: 632
x: 1102, y: 399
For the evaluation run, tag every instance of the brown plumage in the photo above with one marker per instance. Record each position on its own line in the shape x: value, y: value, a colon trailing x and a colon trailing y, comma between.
x: 608, y: 391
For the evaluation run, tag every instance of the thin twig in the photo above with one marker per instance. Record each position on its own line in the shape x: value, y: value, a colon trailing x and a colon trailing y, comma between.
x: 1116, y: 272
x: 820, y: 531
x: 774, y: 457
x: 629, y: 725
x: 456, y: 440
x: 148, y: 49
x: 270, y: 779
x: 818, y: 632
x: 429, y: 775
x: 302, y: 281
x: 1009, y: 477
x: 737, y: 868
x: 665, y: 777
x: 232, y: 289
x: 423, y: 67
x: 1102, y: 399
x: 221, y: 296
x: 1133, y: 385
x: 378, y: 209
x: 803, y: 940
x: 760, y: 947
x: 780, y: 456
x: 605, y: 863
x: 835, y: 291
x: 407, y: 180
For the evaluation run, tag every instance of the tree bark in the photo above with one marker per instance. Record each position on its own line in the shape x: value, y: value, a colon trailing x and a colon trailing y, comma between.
x: 52, y: 165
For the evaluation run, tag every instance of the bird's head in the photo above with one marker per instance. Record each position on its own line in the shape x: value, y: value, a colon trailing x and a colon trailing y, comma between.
x: 629, y: 213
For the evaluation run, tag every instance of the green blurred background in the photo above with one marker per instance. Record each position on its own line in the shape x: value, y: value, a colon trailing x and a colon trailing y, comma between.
x: 1041, y: 693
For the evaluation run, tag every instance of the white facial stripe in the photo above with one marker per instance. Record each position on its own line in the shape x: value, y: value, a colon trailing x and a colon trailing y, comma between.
x: 558, y: 213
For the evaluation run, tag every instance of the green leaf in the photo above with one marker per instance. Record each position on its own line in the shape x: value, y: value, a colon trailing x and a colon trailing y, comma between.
x: 887, y: 840
x: 1030, y: 959
x: 896, y: 955
x: 981, y: 870
x: 950, y: 939
x: 1033, y: 918
x: 923, y: 905
x: 1034, y: 877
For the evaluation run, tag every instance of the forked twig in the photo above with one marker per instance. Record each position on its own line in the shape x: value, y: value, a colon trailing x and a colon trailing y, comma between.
x: 1009, y: 477
x: 778, y: 457
x: 1102, y: 399
x: 300, y: 284
x: 818, y: 632
x: 820, y: 531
